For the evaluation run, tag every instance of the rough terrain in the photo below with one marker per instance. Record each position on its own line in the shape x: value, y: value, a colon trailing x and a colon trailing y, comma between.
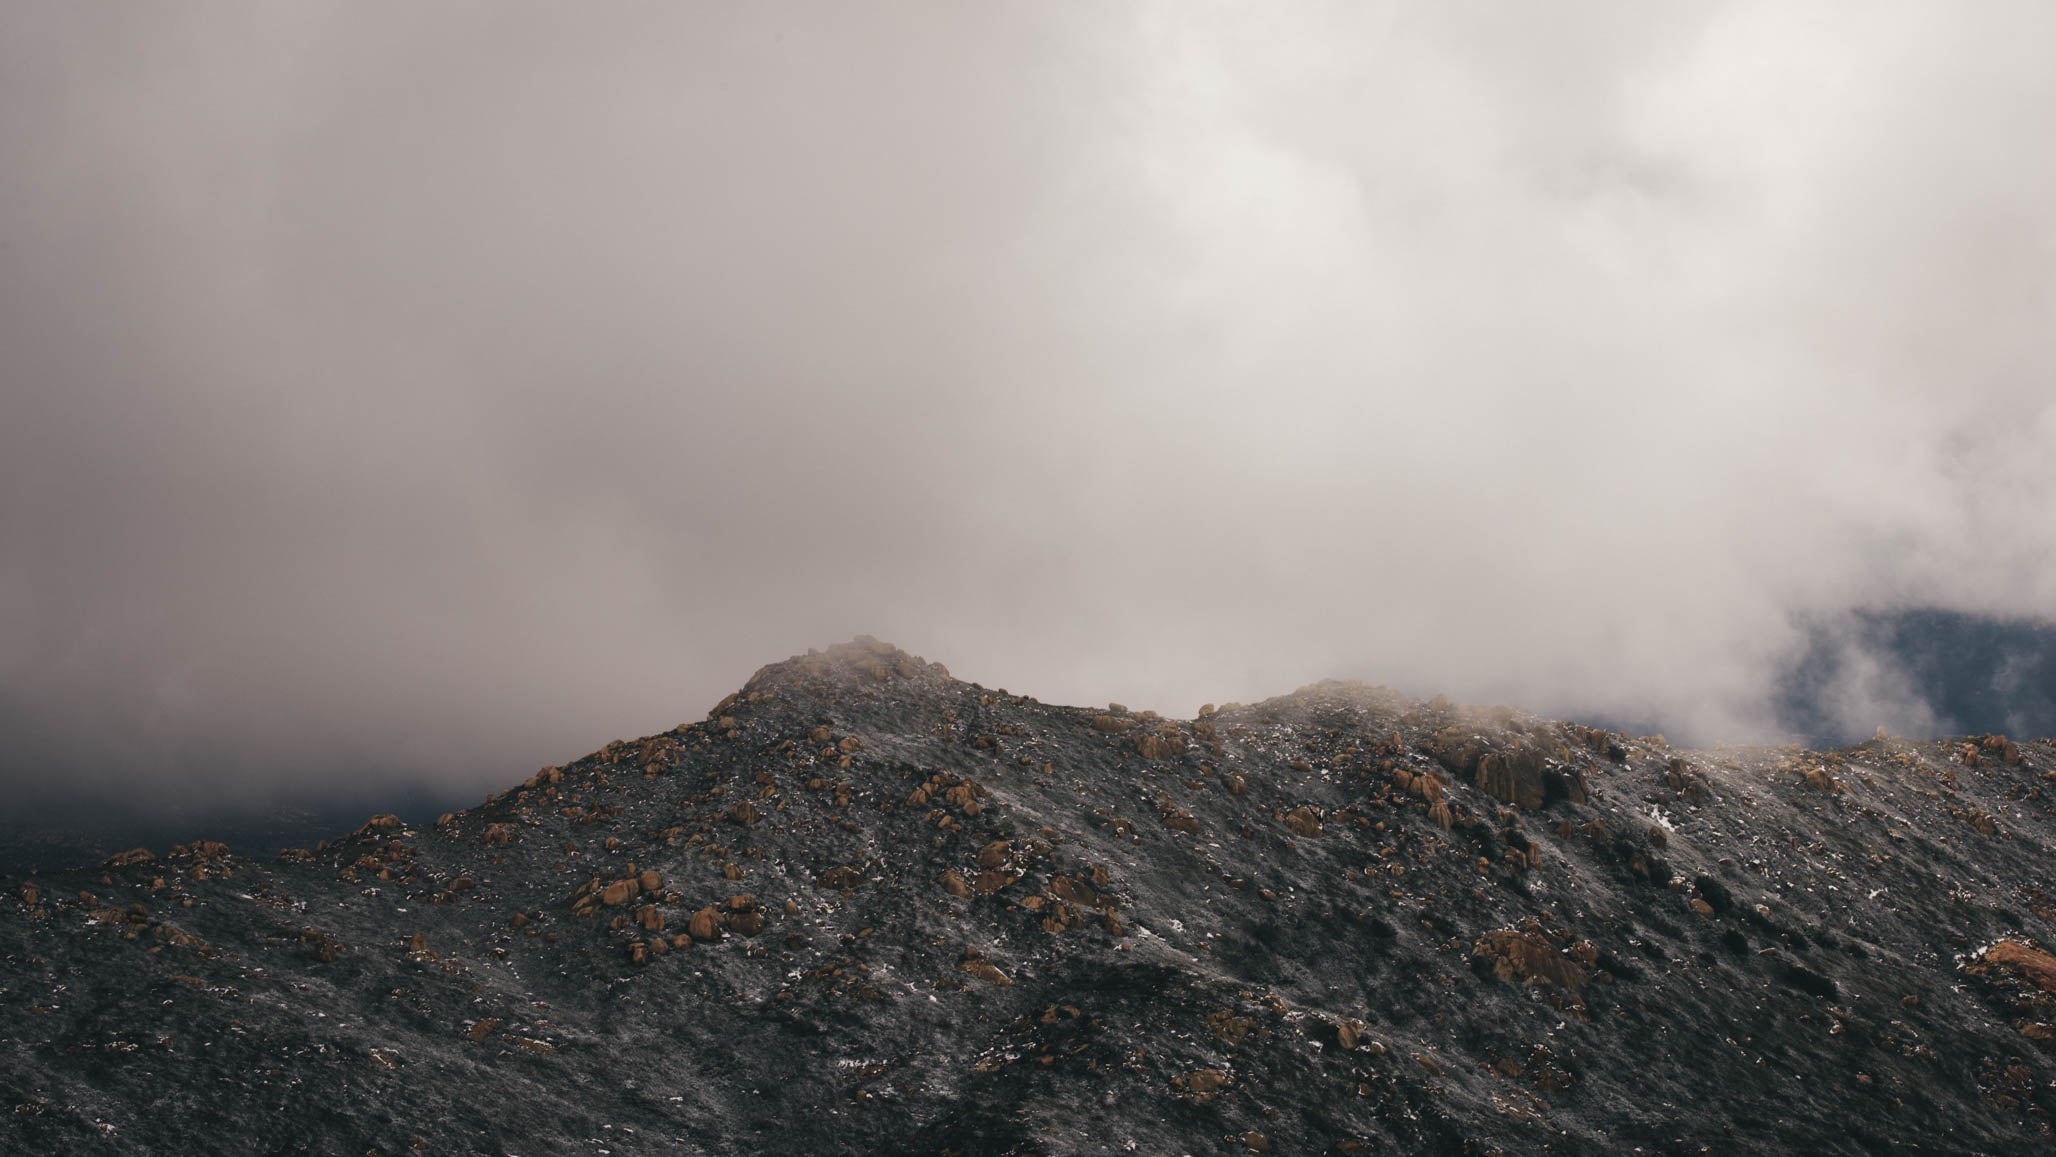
x: 865, y: 908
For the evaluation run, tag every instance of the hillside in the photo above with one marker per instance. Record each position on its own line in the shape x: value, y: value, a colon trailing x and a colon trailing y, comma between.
x: 864, y: 907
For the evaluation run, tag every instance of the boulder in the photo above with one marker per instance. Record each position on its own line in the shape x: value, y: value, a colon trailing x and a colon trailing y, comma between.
x: 839, y: 878
x: 1304, y: 821
x: 705, y: 924
x: 2022, y: 962
x: 985, y: 970
x: 1526, y: 958
x: 1161, y: 744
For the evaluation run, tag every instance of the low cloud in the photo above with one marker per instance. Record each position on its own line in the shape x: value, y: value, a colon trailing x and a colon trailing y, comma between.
x: 425, y: 394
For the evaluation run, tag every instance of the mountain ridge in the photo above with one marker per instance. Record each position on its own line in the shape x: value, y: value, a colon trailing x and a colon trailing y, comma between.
x: 866, y: 907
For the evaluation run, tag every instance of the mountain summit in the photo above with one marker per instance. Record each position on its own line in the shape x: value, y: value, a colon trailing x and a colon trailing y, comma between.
x: 864, y: 907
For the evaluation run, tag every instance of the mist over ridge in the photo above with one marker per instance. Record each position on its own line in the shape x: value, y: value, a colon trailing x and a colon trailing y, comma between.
x: 413, y: 398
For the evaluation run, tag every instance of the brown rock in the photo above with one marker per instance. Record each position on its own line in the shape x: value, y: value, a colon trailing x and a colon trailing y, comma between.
x: 132, y: 856
x: 955, y: 884
x: 1819, y: 780
x: 2001, y: 748
x: 650, y: 881
x: 481, y: 1029
x: 991, y: 881
x: 1304, y: 821
x: 2022, y: 962
x: 1517, y: 778
x: 1207, y: 1080
x: 705, y: 924
x: 986, y: 971
x: 618, y: 893
x: 1160, y: 744
x: 994, y: 854
x: 744, y: 813
x: 820, y: 734
x: 1527, y: 958
x: 839, y: 878
x: 1073, y: 891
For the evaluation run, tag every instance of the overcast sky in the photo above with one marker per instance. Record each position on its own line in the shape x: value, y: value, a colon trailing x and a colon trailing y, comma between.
x: 399, y: 390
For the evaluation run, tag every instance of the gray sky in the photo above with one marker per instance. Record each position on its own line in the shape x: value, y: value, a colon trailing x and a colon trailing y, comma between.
x: 442, y: 390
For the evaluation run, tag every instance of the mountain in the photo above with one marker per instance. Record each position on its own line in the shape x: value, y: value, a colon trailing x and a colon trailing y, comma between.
x: 866, y: 908
x: 1971, y: 672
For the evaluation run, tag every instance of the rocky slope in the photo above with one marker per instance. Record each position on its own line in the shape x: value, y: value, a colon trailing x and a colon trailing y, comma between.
x: 866, y: 908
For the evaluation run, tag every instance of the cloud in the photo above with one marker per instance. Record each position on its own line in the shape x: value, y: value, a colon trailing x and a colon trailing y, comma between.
x: 433, y: 393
